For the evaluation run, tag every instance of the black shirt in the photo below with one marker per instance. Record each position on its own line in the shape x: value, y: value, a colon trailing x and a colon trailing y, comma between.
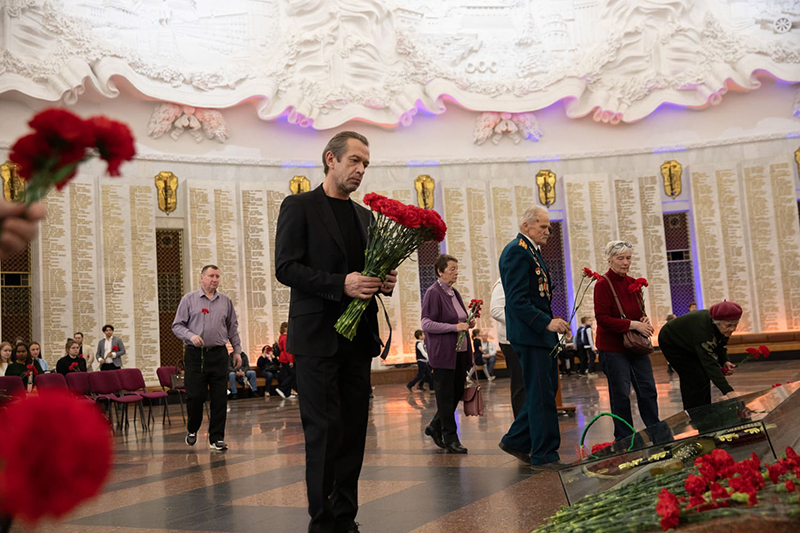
x: 62, y: 366
x: 350, y: 227
x: 354, y: 245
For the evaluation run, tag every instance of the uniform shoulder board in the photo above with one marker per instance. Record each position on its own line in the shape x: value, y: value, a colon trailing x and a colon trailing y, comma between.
x: 523, y: 243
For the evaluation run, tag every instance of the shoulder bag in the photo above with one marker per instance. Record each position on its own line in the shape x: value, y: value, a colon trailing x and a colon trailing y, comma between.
x: 473, y: 398
x: 633, y: 341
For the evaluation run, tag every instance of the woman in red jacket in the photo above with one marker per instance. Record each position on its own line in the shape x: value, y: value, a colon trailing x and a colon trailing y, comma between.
x: 286, y: 359
x: 623, y: 368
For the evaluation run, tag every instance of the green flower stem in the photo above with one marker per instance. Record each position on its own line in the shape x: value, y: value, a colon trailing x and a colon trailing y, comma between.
x: 561, y: 341
x: 388, y: 245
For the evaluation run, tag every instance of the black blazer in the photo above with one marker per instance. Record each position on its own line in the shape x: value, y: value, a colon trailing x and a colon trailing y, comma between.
x: 310, y: 258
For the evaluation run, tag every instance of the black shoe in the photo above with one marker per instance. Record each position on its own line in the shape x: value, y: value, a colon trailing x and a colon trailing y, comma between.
x: 524, y: 457
x: 555, y: 465
x: 455, y: 447
x: 218, y: 446
x: 191, y: 439
x: 421, y: 389
x: 436, y: 436
x: 352, y: 529
x: 233, y: 397
x: 409, y: 388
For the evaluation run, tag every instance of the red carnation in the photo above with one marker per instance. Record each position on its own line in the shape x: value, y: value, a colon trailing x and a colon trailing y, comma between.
x: 789, y: 484
x: 669, y: 509
x: 73, y: 367
x: 115, y: 348
x: 114, y: 142
x: 39, y: 482
x: 696, y: 484
x: 204, y: 311
x: 696, y: 500
x: 764, y: 351
x: 718, y: 491
x: 776, y: 471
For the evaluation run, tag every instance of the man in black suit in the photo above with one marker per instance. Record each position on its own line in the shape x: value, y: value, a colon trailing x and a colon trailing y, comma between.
x: 319, y: 253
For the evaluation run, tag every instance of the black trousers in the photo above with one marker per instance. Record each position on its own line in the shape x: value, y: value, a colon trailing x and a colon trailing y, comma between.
x: 586, y: 357
x: 423, y: 376
x: 108, y: 366
x: 449, y: 383
x: 517, y: 383
x: 207, y: 373
x: 695, y: 384
x: 288, y: 379
x: 334, y: 407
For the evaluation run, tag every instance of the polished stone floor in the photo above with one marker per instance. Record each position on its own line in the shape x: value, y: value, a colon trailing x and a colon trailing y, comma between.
x: 407, y: 484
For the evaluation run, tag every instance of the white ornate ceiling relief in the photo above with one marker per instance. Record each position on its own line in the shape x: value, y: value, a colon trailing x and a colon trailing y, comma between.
x: 516, y: 126
x: 320, y: 63
x: 175, y: 119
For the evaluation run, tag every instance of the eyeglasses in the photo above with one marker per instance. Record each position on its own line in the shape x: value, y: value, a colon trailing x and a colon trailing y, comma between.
x: 620, y: 245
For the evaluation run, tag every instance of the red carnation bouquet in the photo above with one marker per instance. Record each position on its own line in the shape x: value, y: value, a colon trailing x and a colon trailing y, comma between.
x: 34, y: 481
x: 474, y: 312
x: 398, y: 231
x: 589, y: 276
x: 49, y: 157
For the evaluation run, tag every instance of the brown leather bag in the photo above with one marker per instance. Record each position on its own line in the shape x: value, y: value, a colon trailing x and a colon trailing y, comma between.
x: 632, y: 340
x: 473, y: 399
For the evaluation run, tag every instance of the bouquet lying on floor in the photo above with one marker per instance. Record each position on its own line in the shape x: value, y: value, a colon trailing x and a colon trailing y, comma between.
x: 398, y: 231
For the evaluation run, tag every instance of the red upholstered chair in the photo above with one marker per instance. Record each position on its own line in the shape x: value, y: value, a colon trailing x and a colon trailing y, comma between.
x: 51, y: 381
x: 106, y: 387
x: 164, y: 373
x: 131, y: 380
x: 57, y: 382
x: 11, y: 388
x: 78, y: 382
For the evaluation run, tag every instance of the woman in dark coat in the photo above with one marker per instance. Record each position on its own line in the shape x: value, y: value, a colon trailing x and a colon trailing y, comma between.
x: 444, y: 317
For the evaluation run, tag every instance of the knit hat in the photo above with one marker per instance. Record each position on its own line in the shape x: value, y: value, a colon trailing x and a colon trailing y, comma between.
x: 726, y: 311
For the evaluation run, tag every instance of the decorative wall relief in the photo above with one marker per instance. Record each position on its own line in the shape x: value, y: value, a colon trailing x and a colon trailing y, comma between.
x: 321, y: 64
x: 497, y: 125
x: 546, y: 181
x: 13, y: 185
x: 424, y: 185
x: 671, y: 172
x: 167, y: 187
x: 299, y: 184
x: 175, y: 119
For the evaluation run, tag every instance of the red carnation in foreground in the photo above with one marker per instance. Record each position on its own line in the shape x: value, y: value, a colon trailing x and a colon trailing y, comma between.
x: 49, y: 157
x: 38, y: 482
x: 114, y: 142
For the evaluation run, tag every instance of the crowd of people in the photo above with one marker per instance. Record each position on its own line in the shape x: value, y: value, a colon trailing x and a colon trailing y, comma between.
x: 27, y: 359
x: 319, y: 253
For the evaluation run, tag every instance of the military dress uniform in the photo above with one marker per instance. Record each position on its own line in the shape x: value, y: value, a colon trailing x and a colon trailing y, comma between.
x: 527, y: 285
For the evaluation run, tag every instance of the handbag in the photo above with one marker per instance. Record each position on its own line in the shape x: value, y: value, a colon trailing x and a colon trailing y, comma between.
x: 177, y: 381
x: 633, y: 341
x: 473, y: 399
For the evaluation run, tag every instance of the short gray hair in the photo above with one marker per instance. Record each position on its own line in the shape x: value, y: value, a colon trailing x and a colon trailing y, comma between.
x: 338, y: 144
x: 614, y: 248
x: 532, y: 214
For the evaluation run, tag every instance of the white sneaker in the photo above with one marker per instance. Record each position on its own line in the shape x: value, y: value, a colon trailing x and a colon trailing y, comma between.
x: 281, y: 394
x: 492, y: 378
x: 291, y: 396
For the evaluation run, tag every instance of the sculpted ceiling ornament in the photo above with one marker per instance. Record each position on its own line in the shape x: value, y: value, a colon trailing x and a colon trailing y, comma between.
x: 175, y: 119
x: 516, y: 125
x: 320, y: 63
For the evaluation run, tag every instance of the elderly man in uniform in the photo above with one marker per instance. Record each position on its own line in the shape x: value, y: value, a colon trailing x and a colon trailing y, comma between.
x: 694, y: 345
x: 532, y: 331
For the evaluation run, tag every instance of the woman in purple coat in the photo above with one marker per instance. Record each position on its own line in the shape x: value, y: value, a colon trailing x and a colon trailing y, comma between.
x: 444, y: 317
